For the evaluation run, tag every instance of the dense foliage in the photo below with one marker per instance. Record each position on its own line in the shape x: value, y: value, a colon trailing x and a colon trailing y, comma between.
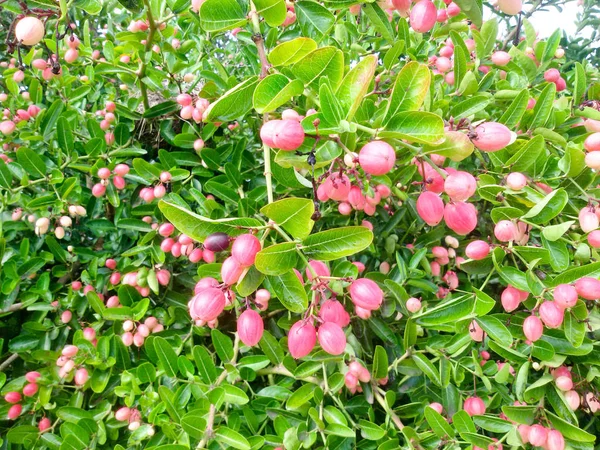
x: 259, y: 224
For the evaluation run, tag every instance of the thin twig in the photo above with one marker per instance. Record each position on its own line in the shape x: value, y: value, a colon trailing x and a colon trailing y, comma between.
x: 8, y: 362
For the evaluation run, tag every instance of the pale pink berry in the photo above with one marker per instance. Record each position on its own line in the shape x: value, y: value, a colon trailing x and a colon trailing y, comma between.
x: 377, y: 157
x: 551, y: 75
x: 250, y: 327
x: 510, y: 7
x: 123, y: 414
x: 474, y: 406
x: 332, y: 338
x: 460, y: 217
x: 333, y: 311
x: 573, y: 399
x: 29, y: 390
x: 555, y: 440
x: 501, y: 58
x: 564, y: 383
x: 423, y: 16
x: 163, y: 277
x: 69, y: 351
x: 205, y: 283
x: 351, y: 381
x: 127, y: 338
x: 14, y: 411
x: 44, y: 424
x: 244, y: 249
x: 533, y: 328
x: 477, y: 250
x: 516, y: 181
x: 7, y: 127
x: 165, y: 177
x: 12, y: 397
x: 287, y: 135
x: 366, y: 294
x: 505, y: 231
x: 510, y: 299
x: 121, y: 169
x: 565, y: 296
x: 413, y: 304
x: 89, y: 334
x: 302, y: 339
x: 32, y: 376
x: 319, y: 268
x: 29, y: 31
x: 81, y: 376
x: 492, y: 136
x: 231, y: 270
x: 592, y: 142
x: 66, y: 316
x: 551, y: 314
x: 184, y: 99
x: 460, y: 186
x: 208, y: 304
x: 588, y: 288
x: 337, y: 187
x: 138, y: 340
x: 588, y: 220
x: 430, y: 208
x: 538, y: 435
x: 476, y: 332
x: 98, y: 190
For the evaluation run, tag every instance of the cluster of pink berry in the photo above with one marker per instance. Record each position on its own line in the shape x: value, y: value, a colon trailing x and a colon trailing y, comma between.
x: 592, y: 144
x: 148, y: 194
x: 138, y: 279
x: 553, y: 76
x: 136, y: 333
x: 563, y: 378
x: 104, y: 173
x: 29, y: 390
x: 184, y: 245
x: 107, y: 114
x: 539, y: 436
x: 67, y: 364
x: 189, y: 110
x: 72, y: 53
x: 133, y: 417
x: 9, y: 121
x: 286, y: 134
x: 358, y: 373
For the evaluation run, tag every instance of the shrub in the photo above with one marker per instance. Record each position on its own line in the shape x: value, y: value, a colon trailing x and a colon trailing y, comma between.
x: 295, y: 225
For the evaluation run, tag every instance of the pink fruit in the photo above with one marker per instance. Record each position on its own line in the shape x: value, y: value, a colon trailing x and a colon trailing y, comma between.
x: 319, y: 268
x: 207, y: 304
x: 366, y: 294
x: 460, y: 186
x: 476, y: 332
x: 7, y: 127
x: 14, y: 411
x: 555, y: 440
x: 453, y: 10
x: 250, y: 327
x: 71, y: 55
x: 377, y: 157
x: 551, y: 314
x: 231, y: 271
x: 573, y: 399
x: 12, y: 397
x: 474, y: 406
x: 205, y: 283
x: 138, y: 340
x: 510, y: 7
x: 413, y: 304
x: 436, y: 407
x: 443, y: 64
x: 351, y: 381
x: 332, y: 338
x: 302, y: 339
x: 245, y: 248
x: 287, y: 135
x: 98, y: 190
x: 505, y: 231
x: 29, y: 30
x: 356, y: 198
x: 592, y: 142
x: 565, y: 296
x: 333, y: 311
x: 66, y: 316
x: 588, y: 288
x: 510, y: 299
x: 196, y: 255
x: 460, y: 217
x: 501, y: 58
x: 538, y: 435
x: 44, y: 424
x: 477, y: 250
x: 69, y: 351
x: 533, y: 328
x: 516, y: 181
x: 524, y: 433
x: 29, y: 390
x: 166, y: 229
x: 89, y: 334
x: 127, y: 338
x: 163, y: 277
x: 423, y: 16
x: 492, y: 136
x: 551, y: 75
x: 564, y: 383
x: 337, y: 186
x: 81, y: 377
x: 121, y: 169
x: 184, y: 99
x: 588, y: 220
x: 430, y: 208
x: 33, y: 376
x: 401, y: 6
x: 592, y: 160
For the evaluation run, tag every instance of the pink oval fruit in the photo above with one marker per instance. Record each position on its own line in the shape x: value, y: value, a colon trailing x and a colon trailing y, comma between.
x: 474, y: 406
x: 533, y: 328
x: 588, y: 288
x: 477, y: 250
x: 333, y: 311
x: 565, y: 296
x: 332, y: 338
x: 245, y: 248
x: 377, y: 157
x: 551, y: 314
x: 366, y: 294
x: 423, y: 16
x: 29, y: 30
x: 208, y: 304
x: 460, y: 217
x: 250, y: 327
x: 492, y: 136
x: 430, y: 208
x: 460, y: 186
x: 301, y: 339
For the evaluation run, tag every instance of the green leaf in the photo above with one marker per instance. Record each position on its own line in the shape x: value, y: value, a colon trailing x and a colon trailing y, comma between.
x: 543, y: 107
x: 460, y: 63
x: 314, y: 20
x: 513, y: 114
x: 5, y: 176
x: 250, y: 283
x: 289, y: 291
x: 527, y: 155
x: 427, y: 368
x: 50, y: 117
x: 438, y: 424
x: 274, y: 91
x: 380, y: 363
x: 521, y: 380
x: 486, y: 39
x: 415, y: 126
x: 198, y: 227
x: 166, y: 355
x: 495, y: 329
x: 135, y: 6
x: 370, y: 431
x: 290, y: 52
x: 168, y: 397
x: 463, y: 422
x: 292, y: 214
x: 274, y: 11
x: 324, y: 62
x: 161, y: 109
x: 580, y: 83
x: 568, y: 430
x: 355, y: 85
x: 447, y: 312
x: 302, y: 395
x: 223, y: 345
x: 548, y: 208
x: 574, y: 329
x: 234, y: 103
x: 271, y: 348
x: 555, y: 232
x: 456, y: 146
x: 277, y: 259
x: 410, y: 89
x: 31, y: 162
x: 22, y: 433
x: 221, y: 15
x: 337, y: 243
x: 194, y: 424
x: 206, y: 366
x: 379, y: 19
x: 64, y: 135
x: 473, y: 10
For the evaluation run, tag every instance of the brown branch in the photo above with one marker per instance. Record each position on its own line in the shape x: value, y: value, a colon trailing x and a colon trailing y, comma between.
x: 8, y: 361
